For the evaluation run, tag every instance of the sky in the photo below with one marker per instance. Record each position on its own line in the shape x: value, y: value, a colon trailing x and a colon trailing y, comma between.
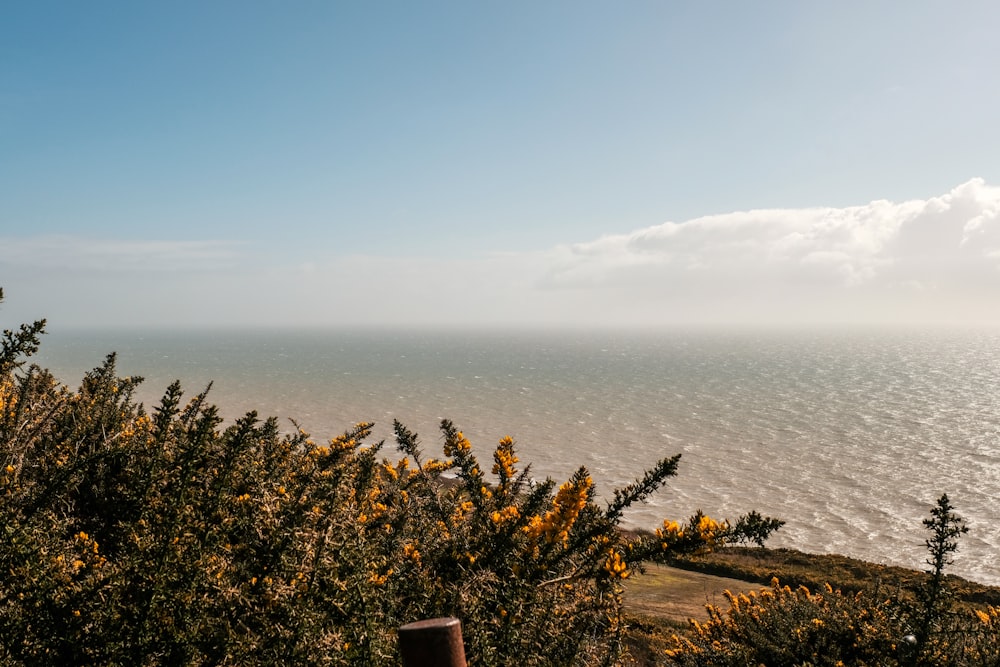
x: 487, y: 164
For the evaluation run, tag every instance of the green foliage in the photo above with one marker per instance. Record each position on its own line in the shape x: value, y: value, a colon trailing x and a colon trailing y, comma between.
x: 756, y: 528
x: 138, y: 538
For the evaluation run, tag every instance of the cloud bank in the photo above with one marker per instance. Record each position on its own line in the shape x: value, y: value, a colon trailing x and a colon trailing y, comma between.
x: 932, y: 261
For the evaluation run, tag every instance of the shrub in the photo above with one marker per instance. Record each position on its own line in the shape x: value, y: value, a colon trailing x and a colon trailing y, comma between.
x: 782, y: 626
x: 140, y: 538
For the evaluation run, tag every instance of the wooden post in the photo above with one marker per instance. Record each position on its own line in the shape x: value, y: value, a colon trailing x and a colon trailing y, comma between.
x: 436, y: 642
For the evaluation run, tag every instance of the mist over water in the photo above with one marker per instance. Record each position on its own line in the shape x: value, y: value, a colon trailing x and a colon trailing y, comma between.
x: 849, y: 437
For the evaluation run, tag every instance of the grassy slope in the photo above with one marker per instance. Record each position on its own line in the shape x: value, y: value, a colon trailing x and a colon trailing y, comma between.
x: 661, y: 601
x: 796, y: 568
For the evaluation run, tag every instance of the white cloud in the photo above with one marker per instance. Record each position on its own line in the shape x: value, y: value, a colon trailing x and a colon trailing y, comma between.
x: 859, y: 263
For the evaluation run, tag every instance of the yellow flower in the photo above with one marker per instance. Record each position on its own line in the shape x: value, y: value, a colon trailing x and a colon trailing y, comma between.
x: 505, y: 514
x: 342, y: 443
x: 379, y: 579
x: 457, y: 445
x: 378, y: 509
x: 670, y: 533
x: 615, y: 566
x: 432, y: 466
x: 566, y: 507
x: 504, y: 459
x: 708, y: 528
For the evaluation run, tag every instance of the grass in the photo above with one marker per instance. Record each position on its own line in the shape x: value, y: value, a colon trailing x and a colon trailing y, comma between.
x: 797, y: 568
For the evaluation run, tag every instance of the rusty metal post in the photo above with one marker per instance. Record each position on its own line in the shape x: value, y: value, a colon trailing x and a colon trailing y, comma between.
x: 436, y: 642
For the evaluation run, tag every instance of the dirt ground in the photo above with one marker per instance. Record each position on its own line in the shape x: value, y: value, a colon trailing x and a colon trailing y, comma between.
x: 678, y: 595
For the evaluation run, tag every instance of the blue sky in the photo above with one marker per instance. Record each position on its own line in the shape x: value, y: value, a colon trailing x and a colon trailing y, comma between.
x: 641, y: 163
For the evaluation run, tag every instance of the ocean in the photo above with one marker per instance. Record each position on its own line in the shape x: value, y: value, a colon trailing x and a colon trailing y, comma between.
x: 849, y: 436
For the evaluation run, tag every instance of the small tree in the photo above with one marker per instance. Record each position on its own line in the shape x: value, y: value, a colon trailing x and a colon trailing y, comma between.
x: 946, y: 527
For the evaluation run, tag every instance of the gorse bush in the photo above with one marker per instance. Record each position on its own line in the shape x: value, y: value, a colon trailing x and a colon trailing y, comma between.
x: 135, y: 537
x: 782, y: 626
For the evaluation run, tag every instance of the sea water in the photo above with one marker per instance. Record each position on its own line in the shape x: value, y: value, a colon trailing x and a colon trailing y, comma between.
x: 848, y: 436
